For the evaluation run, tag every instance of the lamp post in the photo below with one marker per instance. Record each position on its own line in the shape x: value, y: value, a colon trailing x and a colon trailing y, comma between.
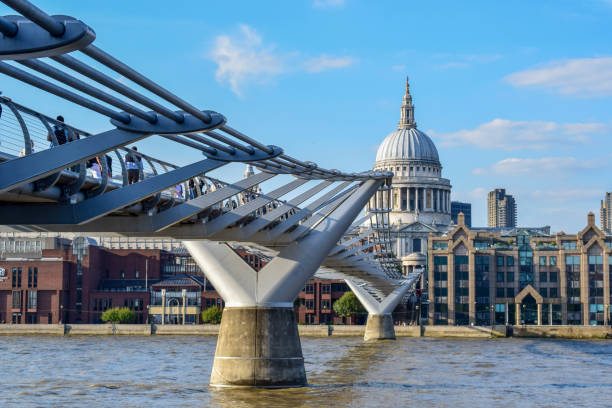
x: 61, y: 316
x: 492, y: 316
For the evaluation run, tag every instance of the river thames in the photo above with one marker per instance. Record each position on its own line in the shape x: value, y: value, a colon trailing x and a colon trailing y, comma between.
x: 342, y: 372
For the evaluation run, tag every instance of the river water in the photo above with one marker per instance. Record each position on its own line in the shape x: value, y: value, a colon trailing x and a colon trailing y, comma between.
x: 342, y: 372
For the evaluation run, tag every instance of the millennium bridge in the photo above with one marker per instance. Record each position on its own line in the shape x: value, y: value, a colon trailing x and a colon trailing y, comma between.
x: 74, y: 181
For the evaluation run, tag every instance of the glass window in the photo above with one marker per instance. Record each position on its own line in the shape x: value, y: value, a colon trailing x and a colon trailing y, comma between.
x: 543, y: 260
x: 544, y: 292
x: 500, y: 261
x: 440, y: 245
x: 325, y: 304
x: 553, y: 260
x: 569, y: 244
x: 309, y: 288
x: 553, y: 293
x: 32, y: 299
x: 500, y: 292
x: 510, y: 261
x: 16, y: 299
x: 543, y: 276
x: 326, y: 288
x: 553, y: 276
x: 136, y: 274
x: 510, y: 292
x: 35, y: 283
x: 500, y: 276
x: 510, y: 276
x: 309, y: 304
x: 122, y: 274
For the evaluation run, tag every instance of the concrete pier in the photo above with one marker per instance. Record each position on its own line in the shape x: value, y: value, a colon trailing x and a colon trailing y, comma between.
x: 258, y: 347
x: 379, y: 327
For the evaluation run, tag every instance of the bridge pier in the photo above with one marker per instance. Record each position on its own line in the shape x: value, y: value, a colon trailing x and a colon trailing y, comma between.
x: 380, y: 322
x: 258, y: 343
x: 258, y: 346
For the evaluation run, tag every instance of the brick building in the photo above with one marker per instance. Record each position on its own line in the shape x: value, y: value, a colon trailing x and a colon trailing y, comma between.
x: 54, y: 279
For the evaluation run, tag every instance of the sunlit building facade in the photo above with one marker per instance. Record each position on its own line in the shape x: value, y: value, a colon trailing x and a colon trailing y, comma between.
x: 522, y: 276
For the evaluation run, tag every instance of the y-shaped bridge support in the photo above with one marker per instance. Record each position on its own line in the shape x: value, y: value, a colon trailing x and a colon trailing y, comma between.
x: 380, y: 322
x: 258, y: 343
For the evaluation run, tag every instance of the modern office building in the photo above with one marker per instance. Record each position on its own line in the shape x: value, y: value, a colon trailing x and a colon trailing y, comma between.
x: 420, y: 197
x: 606, y: 213
x: 501, y: 209
x: 520, y: 277
x: 465, y: 208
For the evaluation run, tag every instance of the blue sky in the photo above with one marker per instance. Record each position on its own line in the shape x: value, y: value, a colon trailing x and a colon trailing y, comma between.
x: 514, y: 94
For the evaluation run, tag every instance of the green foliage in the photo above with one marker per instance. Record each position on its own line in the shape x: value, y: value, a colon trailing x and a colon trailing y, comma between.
x: 212, y: 315
x: 119, y: 315
x: 348, y: 305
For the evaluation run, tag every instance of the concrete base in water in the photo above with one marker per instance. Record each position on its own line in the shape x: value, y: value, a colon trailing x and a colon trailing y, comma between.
x: 379, y: 327
x: 258, y: 347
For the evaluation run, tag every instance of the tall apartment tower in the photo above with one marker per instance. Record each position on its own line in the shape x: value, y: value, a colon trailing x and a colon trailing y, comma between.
x: 606, y: 213
x: 501, y: 209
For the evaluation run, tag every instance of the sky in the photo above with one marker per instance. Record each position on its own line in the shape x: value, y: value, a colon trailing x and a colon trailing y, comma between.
x: 515, y: 94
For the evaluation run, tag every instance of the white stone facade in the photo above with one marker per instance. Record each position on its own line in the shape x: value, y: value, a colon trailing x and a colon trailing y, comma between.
x: 420, y: 197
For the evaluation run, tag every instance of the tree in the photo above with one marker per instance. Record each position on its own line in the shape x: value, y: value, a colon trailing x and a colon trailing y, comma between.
x: 348, y: 305
x: 117, y: 315
x: 212, y: 315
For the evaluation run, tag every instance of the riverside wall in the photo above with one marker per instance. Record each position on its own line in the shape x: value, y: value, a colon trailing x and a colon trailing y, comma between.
x: 562, y: 332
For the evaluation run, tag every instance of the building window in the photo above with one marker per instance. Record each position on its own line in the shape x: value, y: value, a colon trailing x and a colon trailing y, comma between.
x: 543, y: 261
x: 499, y: 293
x: 14, y: 277
x: 309, y: 288
x: 136, y: 274
x: 553, y: 260
x: 440, y: 245
x: 544, y: 292
x: 509, y: 261
x: 32, y: 297
x: 569, y: 244
x: 510, y: 292
x: 325, y: 289
x: 500, y: 276
x: 19, y: 277
x: 553, y: 276
x: 500, y: 261
x: 325, y: 304
x: 554, y: 293
x: 510, y: 276
x: 16, y: 299
x: 29, y: 277
x: 543, y: 276
x: 416, y: 245
x: 35, y: 283
x: 122, y: 274
x: 310, y: 304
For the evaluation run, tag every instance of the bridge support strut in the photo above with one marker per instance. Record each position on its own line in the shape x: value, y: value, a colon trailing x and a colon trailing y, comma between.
x: 380, y: 322
x: 258, y: 343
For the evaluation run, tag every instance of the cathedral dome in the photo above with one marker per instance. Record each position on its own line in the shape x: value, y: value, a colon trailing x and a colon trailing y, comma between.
x: 407, y: 144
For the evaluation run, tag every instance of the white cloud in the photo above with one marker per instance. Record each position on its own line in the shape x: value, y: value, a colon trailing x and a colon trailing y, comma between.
x: 325, y: 62
x: 327, y: 3
x: 585, y: 77
x: 243, y: 59
x: 520, y: 135
x: 542, y: 166
x: 398, y: 67
x: 465, y: 60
